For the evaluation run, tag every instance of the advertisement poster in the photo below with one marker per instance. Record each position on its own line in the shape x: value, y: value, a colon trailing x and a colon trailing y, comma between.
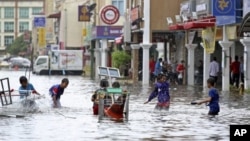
x: 208, y: 37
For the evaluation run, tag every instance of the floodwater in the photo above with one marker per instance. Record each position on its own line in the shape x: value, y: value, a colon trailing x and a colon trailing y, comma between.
x: 183, y: 122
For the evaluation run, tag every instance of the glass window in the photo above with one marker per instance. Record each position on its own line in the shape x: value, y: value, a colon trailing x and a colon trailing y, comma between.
x: 8, y: 40
x: 41, y: 61
x: 24, y: 12
x: 8, y: 26
x: 37, y: 10
x: 23, y: 26
x: 9, y: 12
x: 120, y: 5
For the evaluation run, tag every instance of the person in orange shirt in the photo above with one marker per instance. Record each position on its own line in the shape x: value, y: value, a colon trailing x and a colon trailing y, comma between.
x: 235, y: 67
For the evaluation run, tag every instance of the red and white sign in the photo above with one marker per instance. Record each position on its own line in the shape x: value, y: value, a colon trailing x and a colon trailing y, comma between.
x: 110, y: 14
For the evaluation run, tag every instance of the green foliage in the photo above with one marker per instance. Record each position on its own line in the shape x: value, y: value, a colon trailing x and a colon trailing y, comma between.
x: 120, y: 57
x: 17, y: 46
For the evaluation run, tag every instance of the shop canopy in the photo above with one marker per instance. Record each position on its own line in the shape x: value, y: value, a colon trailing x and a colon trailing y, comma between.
x: 204, y: 22
x: 55, y: 15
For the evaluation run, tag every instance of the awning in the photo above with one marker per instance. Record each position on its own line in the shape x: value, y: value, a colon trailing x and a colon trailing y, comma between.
x: 201, y: 23
x: 119, y: 40
x: 176, y: 27
x: 55, y: 15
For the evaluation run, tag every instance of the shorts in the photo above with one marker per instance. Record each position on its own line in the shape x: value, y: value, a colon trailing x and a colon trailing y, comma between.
x: 212, y: 113
x: 162, y: 106
x: 214, y: 77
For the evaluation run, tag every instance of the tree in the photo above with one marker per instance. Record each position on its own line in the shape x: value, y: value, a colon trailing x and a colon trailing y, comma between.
x: 17, y: 46
x: 120, y: 57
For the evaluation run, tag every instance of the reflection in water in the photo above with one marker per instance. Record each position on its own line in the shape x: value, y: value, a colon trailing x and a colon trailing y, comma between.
x: 76, y: 122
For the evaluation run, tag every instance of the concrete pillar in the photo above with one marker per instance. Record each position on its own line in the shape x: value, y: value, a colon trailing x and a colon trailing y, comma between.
x: 246, y: 43
x: 232, y: 51
x: 160, y: 49
x: 97, y: 60
x: 135, y: 63
x: 191, y: 63
x: 145, y: 65
x: 168, y: 53
x: 206, y: 64
x: 225, y: 44
x: 104, y: 47
x: 146, y: 42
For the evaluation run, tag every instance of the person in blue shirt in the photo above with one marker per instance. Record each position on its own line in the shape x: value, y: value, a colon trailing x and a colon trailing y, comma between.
x: 213, y: 98
x: 26, y: 88
x: 158, y: 67
x: 161, y: 91
x: 56, y: 91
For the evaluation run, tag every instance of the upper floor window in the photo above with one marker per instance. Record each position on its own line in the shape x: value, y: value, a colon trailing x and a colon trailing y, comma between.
x: 24, y: 12
x: 23, y: 26
x: 120, y: 5
x: 8, y: 40
x: 8, y: 26
x: 8, y: 12
x: 37, y: 10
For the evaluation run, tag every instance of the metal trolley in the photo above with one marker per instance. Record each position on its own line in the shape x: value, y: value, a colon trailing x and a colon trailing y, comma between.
x: 5, y: 92
x: 113, y: 99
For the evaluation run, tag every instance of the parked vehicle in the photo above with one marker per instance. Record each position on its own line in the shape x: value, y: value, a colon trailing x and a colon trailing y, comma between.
x: 20, y: 62
x: 60, y: 62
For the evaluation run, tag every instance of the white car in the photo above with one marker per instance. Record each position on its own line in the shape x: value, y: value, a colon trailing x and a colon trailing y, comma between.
x: 20, y: 62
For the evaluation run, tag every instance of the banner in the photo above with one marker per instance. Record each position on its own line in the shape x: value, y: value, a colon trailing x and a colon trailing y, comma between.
x: 83, y: 14
x: 42, y: 37
x: 208, y: 37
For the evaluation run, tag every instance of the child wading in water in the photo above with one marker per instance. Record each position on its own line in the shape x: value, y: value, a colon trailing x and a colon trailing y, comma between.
x: 100, y: 93
x: 213, y: 98
x: 162, y: 91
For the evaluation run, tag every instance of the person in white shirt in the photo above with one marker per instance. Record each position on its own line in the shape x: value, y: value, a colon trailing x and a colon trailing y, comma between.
x: 214, y: 69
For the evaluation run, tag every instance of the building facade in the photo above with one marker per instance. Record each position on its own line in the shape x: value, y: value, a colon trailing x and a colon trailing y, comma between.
x: 16, y: 17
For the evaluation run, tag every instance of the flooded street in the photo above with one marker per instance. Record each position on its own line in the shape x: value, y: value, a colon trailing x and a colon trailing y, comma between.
x: 75, y: 120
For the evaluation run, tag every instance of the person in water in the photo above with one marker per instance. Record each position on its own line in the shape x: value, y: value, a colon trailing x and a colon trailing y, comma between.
x: 213, y: 98
x: 24, y: 90
x: 161, y: 91
x: 56, y: 91
x: 101, y: 92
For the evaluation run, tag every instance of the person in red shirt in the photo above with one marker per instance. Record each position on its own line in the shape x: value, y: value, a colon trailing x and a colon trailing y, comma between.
x: 180, y: 70
x: 235, y: 67
x: 152, y: 68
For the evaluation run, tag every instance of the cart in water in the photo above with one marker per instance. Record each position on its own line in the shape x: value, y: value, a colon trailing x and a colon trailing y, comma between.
x: 114, y: 102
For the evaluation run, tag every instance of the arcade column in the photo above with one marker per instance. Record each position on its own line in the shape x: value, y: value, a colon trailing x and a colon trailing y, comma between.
x: 160, y: 49
x: 135, y: 63
x: 206, y: 64
x: 225, y: 44
x: 190, y: 67
x: 97, y: 60
x: 104, y: 47
x: 246, y: 43
x: 145, y: 65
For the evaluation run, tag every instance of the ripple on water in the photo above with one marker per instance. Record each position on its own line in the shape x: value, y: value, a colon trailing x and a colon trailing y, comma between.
x: 75, y: 120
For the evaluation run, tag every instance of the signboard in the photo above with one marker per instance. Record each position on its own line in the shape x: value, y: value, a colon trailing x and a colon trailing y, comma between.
x: 103, y: 71
x: 27, y: 36
x: 39, y: 21
x: 106, y: 32
x: 208, y: 37
x: 134, y: 14
x: 113, y: 72
x: 223, y: 7
x: 83, y: 14
x: 227, y: 11
x: 109, y: 14
x: 41, y: 37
